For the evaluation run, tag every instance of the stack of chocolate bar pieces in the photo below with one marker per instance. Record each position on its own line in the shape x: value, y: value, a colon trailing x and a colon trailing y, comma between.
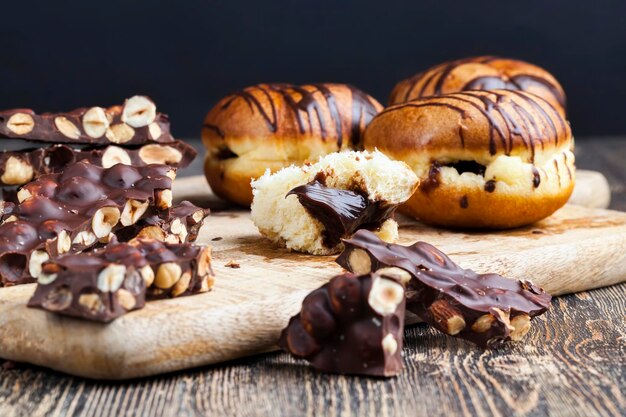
x: 133, y: 134
x: 95, y: 227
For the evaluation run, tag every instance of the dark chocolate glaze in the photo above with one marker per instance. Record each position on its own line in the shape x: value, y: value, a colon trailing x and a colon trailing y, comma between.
x: 438, y: 75
x: 45, y: 129
x: 435, y: 277
x: 67, y: 202
x: 78, y: 274
x: 468, y: 166
x: 308, y: 104
x: 341, y: 212
x: 337, y: 330
x: 506, y: 118
x: 53, y: 159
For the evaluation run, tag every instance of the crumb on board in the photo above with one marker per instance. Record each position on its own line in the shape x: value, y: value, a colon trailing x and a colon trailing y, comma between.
x: 232, y: 264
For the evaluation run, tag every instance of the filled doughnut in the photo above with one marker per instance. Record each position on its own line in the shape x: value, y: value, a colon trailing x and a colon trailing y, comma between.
x: 485, y: 159
x: 276, y: 125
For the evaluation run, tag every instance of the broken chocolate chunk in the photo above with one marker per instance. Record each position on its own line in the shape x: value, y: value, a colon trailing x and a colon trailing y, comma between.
x: 351, y: 325
x: 104, y: 284
x: 341, y: 212
x: 483, y: 308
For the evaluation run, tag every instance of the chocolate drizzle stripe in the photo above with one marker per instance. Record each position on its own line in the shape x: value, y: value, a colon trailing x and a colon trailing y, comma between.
x: 215, y: 128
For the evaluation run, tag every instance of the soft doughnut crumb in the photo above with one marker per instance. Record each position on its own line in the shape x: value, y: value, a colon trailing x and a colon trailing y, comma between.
x: 286, y: 222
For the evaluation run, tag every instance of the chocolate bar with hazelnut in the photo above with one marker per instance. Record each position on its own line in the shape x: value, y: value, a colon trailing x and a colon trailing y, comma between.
x: 136, y: 122
x: 179, y: 224
x: 20, y: 167
x: 104, y: 284
x: 482, y: 308
x: 352, y: 325
x: 73, y: 210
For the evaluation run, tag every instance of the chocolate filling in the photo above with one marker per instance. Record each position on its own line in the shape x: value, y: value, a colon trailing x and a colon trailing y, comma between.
x: 434, y: 178
x: 225, y: 153
x: 341, y: 212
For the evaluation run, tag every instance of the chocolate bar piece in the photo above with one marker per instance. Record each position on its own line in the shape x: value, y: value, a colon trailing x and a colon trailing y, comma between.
x: 483, y: 308
x: 179, y: 224
x: 71, y: 211
x: 20, y: 167
x: 104, y: 284
x: 351, y: 325
x: 135, y: 123
x: 341, y: 211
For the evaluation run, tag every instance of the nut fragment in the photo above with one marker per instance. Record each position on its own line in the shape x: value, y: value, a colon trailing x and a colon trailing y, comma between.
x: 103, y: 221
x: 232, y: 264
x: 521, y: 326
x: 84, y: 238
x: 126, y: 299
x: 114, y: 155
x: 171, y: 174
x: 64, y: 243
x: 23, y: 194
x: 204, y: 262
x: 360, y: 262
x: 21, y: 123
x: 147, y: 274
x: 16, y: 172
x: 152, y: 232
x: 110, y: 279
x: 167, y: 275
x: 390, y: 344
x: 67, y: 127
x: 95, y: 122
x: 398, y: 274
x: 207, y: 283
x: 483, y: 323
x: 155, y: 130
x: 164, y: 199
x: 133, y: 210
x: 37, y: 258
x: 447, y: 318
x: 139, y: 111
x: 92, y: 302
x: 182, y: 284
x: 58, y: 299
x: 120, y: 133
x: 179, y: 229
x: 385, y: 295
x: 198, y: 216
x: 160, y: 154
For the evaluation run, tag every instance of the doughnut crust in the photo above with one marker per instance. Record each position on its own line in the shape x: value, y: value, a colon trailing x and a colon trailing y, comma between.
x: 271, y: 126
x: 282, y: 218
x: 481, y: 73
x: 485, y: 159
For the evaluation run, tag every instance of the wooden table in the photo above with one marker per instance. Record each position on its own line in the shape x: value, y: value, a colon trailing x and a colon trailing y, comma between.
x: 573, y: 363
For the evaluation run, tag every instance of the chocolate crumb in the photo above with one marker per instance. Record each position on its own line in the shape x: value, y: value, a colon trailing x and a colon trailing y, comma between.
x: 215, y: 239
x: 463, y: 202
x: 537, y: 232
x: 490, y: 186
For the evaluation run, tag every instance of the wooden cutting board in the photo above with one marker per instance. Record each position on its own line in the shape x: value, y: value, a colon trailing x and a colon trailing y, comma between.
x: 575, y: 249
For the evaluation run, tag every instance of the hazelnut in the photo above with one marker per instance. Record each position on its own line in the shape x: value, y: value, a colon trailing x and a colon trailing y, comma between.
x: 21, y: 123
x: 66, y: 127
x: 95, y: 122
x: 138, y: 111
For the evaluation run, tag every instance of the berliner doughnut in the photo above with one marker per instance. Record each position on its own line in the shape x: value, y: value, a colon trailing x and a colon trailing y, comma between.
x: 481, y: 73
x: 276, y: 125
x: 486, y: 159
x: 310, y: 208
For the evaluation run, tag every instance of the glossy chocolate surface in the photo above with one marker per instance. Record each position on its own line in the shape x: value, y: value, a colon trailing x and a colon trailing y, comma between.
x: 341, y: 212
x: 434, y: 277
x: 338, y: 331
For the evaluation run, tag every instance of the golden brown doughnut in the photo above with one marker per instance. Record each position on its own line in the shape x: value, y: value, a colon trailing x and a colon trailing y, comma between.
x: 271, y: 126
x: 481, y: 73
x: 485, y: 159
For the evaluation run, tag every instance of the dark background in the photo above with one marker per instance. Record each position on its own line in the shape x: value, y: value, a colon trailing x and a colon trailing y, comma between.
x: 186, y: 55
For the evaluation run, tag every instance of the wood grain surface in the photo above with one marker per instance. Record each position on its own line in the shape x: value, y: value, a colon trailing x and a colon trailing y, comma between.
x: 573, y: 250
x: 573, y: 364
